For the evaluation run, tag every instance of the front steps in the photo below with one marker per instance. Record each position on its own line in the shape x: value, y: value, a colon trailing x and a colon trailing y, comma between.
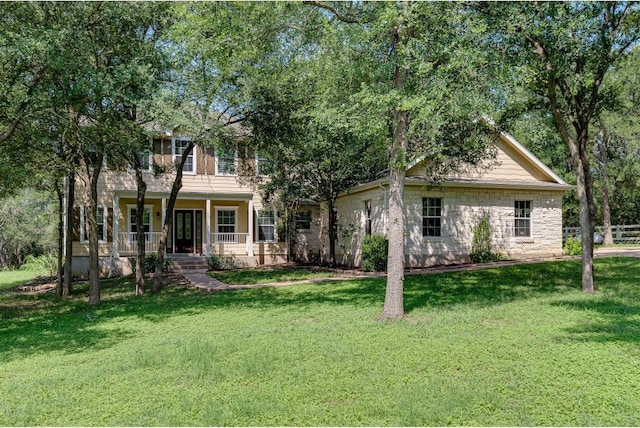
x: 188, y: 262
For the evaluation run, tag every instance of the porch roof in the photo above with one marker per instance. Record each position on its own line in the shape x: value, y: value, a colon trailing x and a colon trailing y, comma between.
x: 236, y: 196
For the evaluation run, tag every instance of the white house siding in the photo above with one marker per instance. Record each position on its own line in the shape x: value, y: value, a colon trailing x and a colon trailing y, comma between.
x: 462, y: 207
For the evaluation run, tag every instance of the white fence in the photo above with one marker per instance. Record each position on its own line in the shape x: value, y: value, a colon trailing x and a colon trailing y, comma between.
x: 629, y: 234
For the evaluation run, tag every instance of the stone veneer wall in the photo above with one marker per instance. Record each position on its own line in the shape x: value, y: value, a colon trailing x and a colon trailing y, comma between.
x: 462, y: 207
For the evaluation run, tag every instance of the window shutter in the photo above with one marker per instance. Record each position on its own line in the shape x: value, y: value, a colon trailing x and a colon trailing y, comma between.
x: 109, y: 223
x: 76, y: 223
x: 200, y: 169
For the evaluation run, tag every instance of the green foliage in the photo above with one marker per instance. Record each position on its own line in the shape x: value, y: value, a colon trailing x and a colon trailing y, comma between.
x: 374, y: 253
x: 26, y: 226
x: 222, y: 262
x: 150, y: 263
x: 47, y: 262
x: 572, y: 247
x: 481, y: 244
x: 470, y: 353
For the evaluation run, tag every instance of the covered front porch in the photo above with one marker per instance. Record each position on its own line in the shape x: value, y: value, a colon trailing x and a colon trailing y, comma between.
x: 215, y: 224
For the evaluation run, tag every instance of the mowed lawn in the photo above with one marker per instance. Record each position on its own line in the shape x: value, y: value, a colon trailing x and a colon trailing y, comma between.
x: 518, y: 345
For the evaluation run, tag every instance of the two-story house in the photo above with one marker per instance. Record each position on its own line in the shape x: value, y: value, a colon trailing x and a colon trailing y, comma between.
x: 218, y: 209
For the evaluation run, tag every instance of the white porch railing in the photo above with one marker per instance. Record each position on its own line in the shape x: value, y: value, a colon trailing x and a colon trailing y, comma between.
x: 629, y: 234
x: 128, y: 242
x: 230, y: 243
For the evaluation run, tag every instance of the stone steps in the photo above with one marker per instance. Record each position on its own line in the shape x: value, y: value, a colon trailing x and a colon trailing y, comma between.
x: 188, y: 262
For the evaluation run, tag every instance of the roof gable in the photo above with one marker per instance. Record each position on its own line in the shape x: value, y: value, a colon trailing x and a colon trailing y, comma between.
x: 513, y: 163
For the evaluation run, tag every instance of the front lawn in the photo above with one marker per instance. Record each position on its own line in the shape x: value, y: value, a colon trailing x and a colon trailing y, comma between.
x: 14, y: 278
x: 269, y: 275
x: 517, y: 345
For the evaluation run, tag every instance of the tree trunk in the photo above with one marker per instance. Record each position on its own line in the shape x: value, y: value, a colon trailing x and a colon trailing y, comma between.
x: 394, y: 300
x: 60, y: 194
x: 587, y: 208
x: 92, y: 173
x: 333, y: 232
x: 68, y: 275
x: 177, y: 185
x: 604, y: 173
x: 140, y: 235
x: 3, y: 258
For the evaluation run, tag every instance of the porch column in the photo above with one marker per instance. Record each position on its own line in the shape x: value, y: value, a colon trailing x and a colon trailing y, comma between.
x: 250, y: 226
x: 116, y: 215
x: 164, y: 210
x: 207, y: 216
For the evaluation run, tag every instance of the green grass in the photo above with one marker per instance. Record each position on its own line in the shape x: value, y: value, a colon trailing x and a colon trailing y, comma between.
x: 518, y: 345
x: 268, y: 275
x: 15, y: 278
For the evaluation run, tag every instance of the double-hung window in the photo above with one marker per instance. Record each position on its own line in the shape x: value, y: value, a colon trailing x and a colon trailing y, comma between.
x: 146, y: 224
x: 226, y: 161
x: 266, y: 226
x: 100, y: 222
x: 303, y: 220
x: 262, y: 163
x: 226, y: 225
x: 431, y: 216
x: 522, y: 223
x: 179, y: 145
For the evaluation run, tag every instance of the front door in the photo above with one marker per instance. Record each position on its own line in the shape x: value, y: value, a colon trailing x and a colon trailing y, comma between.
x: 184, y: 231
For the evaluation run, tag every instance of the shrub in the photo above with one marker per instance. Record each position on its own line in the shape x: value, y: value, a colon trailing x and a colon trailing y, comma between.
x: 374, y: 253
x: 150, y: 263
x: 573, y: 247
x: 221, y: 262
x: 481, y: 244
x: 45, y: 262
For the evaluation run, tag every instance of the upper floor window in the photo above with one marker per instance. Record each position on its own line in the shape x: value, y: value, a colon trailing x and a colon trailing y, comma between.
x: 522, y: 223
x: 262, y: 163
x: 226, y: 161
x: 431, y: 216
x: 178, y: 146
x: 146, y: 159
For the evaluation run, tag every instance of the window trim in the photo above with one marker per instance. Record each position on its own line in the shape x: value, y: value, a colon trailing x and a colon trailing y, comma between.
x: 130, y: 235
x: 528, y: 206
x: 298, y: 221
x: 83, y: 226
x: 260, y: 159
x: 216, y: 210
x: 425, y: 205
x: 274, y: 225
x: 192, y: 155
x: 235, y: 163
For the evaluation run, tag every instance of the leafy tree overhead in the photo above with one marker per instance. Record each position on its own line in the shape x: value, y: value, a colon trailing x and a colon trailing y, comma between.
x: 101, y: 73
x: 564, y: 51
x: 416, y: 82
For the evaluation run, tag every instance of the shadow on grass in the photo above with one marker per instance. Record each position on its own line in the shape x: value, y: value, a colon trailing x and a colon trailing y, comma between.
x: 41, y: 323
x: 614, y: 310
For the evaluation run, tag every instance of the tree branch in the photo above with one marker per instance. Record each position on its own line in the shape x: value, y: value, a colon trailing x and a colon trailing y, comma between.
x: 340, y: 16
